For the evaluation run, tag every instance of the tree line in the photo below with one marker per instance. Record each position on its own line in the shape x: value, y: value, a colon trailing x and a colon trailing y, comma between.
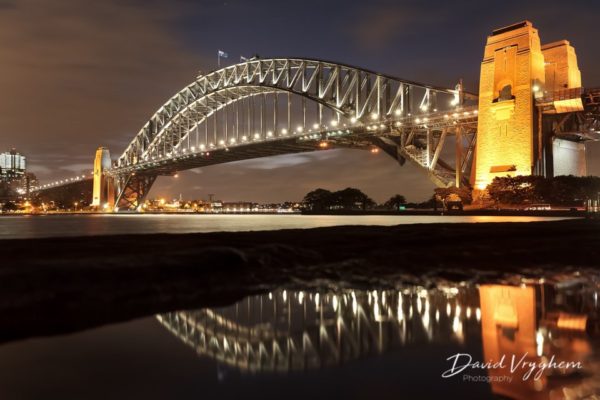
x: 560, y: 190
x: 347, y: 199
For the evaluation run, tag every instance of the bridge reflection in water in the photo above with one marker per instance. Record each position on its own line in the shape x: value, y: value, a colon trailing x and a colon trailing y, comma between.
x: 287, y: 331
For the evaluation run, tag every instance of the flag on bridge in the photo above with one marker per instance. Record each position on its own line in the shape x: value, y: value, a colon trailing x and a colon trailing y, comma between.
x: 221, y: 54
x: 243, y: 59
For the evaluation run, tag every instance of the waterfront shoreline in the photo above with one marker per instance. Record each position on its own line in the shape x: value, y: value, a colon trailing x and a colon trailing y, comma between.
x: 55, y: 285
x: 473, y: 212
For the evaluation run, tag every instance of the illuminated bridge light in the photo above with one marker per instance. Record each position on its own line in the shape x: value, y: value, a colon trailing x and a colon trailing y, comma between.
x: 338, y: 108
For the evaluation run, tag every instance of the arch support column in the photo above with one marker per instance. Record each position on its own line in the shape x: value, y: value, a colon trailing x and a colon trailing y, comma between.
x: 132, y: 190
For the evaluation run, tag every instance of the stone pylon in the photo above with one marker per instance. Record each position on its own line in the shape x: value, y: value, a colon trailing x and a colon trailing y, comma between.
x: 518, y: 76
x: 103, y: 196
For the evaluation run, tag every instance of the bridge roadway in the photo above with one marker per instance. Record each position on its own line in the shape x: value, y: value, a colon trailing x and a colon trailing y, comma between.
x: 401, y: 138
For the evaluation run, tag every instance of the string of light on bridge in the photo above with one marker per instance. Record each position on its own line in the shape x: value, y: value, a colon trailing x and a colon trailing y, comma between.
x: 61, y: 182
x: 316, y: 132
x: 265, y: 101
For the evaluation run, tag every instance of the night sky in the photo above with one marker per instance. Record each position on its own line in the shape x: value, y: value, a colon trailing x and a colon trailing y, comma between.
x: 79, y: 74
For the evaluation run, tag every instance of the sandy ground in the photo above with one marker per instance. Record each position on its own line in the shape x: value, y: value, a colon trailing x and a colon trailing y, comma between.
x: 56, y: 285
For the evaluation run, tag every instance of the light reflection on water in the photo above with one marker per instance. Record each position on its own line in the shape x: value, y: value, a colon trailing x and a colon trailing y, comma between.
x: 13, y: 227
x: 290, y: 331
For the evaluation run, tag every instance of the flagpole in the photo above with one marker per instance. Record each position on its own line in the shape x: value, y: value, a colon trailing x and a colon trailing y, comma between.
x: 221, y: 54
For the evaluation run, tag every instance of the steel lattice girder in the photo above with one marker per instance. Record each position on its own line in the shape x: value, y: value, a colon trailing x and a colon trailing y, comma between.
x: 133, y: 189
x: 349, y: 91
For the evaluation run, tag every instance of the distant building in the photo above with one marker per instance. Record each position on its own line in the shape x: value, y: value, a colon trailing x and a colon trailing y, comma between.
x: 12, y: 166
x: 238, y: 206
x: 28, y: 182
x: 15, y: 181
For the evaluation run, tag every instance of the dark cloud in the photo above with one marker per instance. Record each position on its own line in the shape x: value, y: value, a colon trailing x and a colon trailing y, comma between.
x: 385, y: 24
x: 284, y: 178
x: 7, y: 4
x: 77, y: 75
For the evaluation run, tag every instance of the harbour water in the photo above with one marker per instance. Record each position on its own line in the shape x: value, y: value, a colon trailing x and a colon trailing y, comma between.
x: 516, y: 336
x: 343, y: 343
x: 36, y: 226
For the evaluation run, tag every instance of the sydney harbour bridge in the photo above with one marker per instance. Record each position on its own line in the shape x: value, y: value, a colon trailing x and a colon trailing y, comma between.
x: 519, y: 124
x: 291, y: 331
x: 268, y: 107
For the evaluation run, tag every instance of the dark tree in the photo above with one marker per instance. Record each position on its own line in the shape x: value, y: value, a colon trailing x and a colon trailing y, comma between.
x: 9, y: 206
x: 560, y: 190
x: 352, y: 199
x: 395, y: 202
x: 318, y: 200
x: 514, y: 190
x: 464, y: 193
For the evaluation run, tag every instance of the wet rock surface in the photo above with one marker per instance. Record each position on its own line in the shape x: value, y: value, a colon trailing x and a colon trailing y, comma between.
x: 57, y: 285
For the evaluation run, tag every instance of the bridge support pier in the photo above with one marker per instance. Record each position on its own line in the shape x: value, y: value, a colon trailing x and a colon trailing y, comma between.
x: 103, y: 193
x: 458, y: 158
x: 527, y: 92
x: 132, y: 190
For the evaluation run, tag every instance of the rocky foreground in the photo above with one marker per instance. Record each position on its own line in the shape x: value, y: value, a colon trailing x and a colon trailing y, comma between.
x: 57, y: 285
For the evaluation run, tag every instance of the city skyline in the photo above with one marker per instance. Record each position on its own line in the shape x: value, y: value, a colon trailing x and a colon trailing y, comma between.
x: 87, y: 87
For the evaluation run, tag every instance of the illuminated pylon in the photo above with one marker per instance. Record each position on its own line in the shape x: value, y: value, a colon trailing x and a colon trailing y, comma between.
x: 103, y: 196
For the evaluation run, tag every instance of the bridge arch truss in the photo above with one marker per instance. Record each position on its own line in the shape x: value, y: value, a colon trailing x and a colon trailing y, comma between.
x: 266, y: 107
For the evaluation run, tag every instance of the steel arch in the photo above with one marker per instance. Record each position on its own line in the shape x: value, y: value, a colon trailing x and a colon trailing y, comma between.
x: 349, y: 91
x: 316, y: 330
